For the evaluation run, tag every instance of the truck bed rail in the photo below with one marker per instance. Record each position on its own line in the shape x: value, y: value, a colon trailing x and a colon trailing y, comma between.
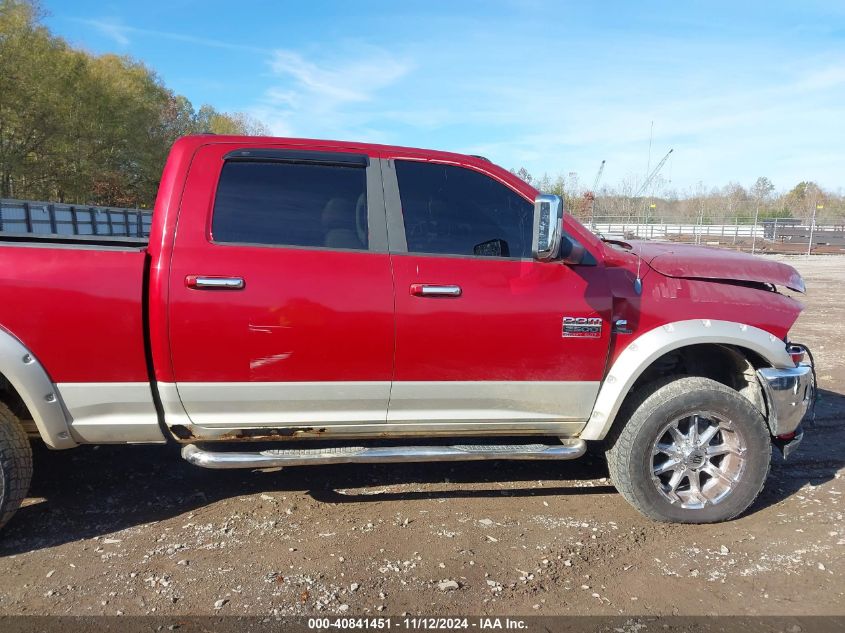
x: 24, y: 220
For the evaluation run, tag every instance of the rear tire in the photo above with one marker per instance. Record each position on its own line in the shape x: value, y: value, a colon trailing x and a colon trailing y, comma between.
x: 691, y: 451
x: 15, y: 464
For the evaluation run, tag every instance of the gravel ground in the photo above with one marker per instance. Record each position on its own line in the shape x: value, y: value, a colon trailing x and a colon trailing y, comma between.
x: 135, y: 530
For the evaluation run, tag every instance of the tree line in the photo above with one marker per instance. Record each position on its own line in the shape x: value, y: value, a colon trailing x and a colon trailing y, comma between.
x: 83, y: 128
x: 699, y: 205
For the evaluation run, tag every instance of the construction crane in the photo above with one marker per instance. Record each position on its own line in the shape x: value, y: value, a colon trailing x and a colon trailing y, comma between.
x: 653, y: 173
x: 590, y: 196
x: 649, y: 179
x: 598, y: 177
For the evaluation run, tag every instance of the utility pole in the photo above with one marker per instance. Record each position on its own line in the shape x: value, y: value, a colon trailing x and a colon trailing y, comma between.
x: 700, y: 220
x: 754, y: 230
x: 591, y: 196
x: 648, y: 164
x: 818, y: 207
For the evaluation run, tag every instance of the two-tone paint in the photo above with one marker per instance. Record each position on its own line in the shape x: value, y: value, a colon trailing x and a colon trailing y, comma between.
x: 330, y: 342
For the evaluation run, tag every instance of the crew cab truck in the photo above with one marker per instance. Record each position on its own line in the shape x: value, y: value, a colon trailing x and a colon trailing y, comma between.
x: 311, y: 302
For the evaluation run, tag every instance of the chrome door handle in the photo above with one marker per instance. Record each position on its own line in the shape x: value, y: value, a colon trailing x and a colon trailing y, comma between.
x: 203, y: 282
x: 435, y: 290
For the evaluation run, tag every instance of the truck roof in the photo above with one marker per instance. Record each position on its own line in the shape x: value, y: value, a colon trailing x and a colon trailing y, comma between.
x: 396, y: 151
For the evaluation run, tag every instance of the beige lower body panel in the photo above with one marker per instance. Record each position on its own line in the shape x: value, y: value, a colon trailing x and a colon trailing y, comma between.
x: 261, y: 411
x: 248, y: 404
x: 492, y: 401
x: 111, y: 412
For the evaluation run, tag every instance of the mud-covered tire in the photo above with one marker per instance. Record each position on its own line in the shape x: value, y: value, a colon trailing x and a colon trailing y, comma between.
x: 15, y: 464
x: 634, y: 452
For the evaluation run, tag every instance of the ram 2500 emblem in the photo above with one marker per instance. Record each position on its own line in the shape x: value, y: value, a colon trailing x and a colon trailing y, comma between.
x: 582, y: 327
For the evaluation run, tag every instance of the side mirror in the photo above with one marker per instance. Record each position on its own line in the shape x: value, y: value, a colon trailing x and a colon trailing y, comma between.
x: 492, y: 248
x: 548, y: 227
x: 548, y: 241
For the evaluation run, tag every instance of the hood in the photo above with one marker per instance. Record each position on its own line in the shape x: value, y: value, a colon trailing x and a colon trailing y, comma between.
x: 702, y: 262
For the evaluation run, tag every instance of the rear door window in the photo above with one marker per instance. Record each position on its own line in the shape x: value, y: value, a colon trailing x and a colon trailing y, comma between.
x: 291, y: 204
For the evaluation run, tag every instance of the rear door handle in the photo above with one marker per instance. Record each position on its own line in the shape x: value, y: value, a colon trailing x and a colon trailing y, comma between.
x: 204, y: 282
x: 435, y: 290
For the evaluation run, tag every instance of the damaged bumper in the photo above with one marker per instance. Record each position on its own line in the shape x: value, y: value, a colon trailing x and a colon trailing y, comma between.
x: 788, y: 443
x: 789, y: 393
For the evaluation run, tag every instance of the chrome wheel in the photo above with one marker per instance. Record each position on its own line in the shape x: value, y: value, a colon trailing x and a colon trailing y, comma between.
x: 697, y: 460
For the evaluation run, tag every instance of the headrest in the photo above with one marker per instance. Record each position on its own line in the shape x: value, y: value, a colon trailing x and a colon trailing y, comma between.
x: 338, y: 214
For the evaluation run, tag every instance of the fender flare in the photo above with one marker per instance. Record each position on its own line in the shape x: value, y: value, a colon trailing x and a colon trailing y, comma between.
x: 29, y: 378
x: 645, y: 349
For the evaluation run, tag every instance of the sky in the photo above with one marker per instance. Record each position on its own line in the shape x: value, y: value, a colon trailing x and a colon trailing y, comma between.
x: 737, y: 89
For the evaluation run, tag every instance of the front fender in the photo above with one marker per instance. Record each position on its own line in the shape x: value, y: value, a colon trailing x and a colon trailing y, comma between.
x: 648, y: 347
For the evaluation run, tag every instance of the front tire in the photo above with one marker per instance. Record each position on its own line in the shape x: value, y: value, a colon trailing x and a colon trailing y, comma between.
x: 15, y: 464
x: 691, y: 451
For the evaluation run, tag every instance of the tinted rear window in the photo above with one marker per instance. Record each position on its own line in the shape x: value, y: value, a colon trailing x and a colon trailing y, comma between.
x: 291, y: 204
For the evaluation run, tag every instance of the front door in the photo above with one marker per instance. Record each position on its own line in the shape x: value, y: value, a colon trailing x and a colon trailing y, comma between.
x: 480, y: 336
x: 281, y: 296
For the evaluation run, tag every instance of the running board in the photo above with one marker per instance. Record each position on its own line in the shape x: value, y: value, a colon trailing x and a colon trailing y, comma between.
x: 568, y: 449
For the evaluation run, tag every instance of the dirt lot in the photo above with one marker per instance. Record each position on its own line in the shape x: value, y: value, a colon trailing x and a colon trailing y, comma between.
x: 135, y: 530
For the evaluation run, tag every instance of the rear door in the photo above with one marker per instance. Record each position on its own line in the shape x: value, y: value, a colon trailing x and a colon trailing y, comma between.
x: 480, y: 335
x: 281, y: 296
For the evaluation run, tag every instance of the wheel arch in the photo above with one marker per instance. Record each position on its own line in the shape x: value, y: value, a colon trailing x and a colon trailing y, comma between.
x: 749, y: 347
x: 31, y: 383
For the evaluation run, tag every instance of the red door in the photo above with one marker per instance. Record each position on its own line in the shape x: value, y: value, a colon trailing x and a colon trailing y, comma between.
x: 281, y: 296
x: 480, y: 336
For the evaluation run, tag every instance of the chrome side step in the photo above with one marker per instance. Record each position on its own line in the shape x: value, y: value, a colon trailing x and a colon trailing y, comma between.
x: 568, y: 449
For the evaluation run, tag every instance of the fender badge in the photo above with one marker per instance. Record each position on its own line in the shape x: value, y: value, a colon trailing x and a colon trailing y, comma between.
x: 582, y: 327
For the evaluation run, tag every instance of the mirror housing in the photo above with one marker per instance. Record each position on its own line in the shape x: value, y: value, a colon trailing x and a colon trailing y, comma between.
x: 548, y: 227
x: 548, y: 240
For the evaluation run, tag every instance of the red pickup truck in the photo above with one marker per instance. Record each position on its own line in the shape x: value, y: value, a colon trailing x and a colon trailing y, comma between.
x: 312, y: 302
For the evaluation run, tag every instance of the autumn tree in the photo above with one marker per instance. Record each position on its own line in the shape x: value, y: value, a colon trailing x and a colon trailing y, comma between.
x: 762, y: 189
x: 803, y: 199
x: 76, y: 127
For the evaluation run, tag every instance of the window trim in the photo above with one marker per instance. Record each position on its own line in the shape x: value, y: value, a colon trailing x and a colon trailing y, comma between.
x: 261, y: 155
x: 398, y: 244
x: 376, y: 210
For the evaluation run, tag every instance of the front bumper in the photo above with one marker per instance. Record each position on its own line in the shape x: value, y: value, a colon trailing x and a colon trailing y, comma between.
x: 789, y: 393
